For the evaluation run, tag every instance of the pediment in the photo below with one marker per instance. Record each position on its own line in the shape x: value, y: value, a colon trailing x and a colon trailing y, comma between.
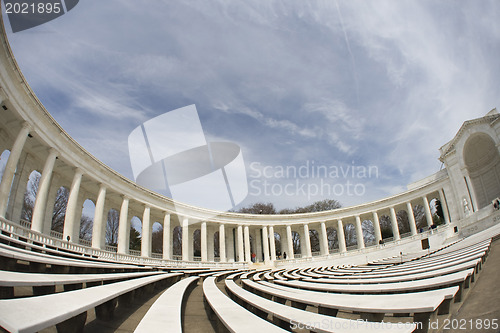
x: 449, y: 147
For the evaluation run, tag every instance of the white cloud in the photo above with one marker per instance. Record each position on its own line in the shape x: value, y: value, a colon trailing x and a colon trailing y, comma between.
x: 385, y: 82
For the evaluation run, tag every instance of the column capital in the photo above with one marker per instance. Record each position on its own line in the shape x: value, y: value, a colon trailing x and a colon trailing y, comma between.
x: 78, y: 171
x: 26, y: 126
x: 53, y: 152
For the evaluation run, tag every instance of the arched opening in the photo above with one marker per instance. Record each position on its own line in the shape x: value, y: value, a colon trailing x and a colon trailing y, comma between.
x: 386, y: 227
x: 87, y: 222
x: 157, y: 238
x: 216, y: 246
x: 197, y: 244
x: 437, y: 211
x: 30, y: 196
x: 112, y: 228
x: 296, y: 243
x: 177, y: 242
x: 315, y: 243
x: 350, y: 235
x: 59, y: 212
x: 252, y: 248
x: 482, y: 160
x: 420, y: 219
x: 368, y: 232
x: 403, y: 223
x: 278, y: 245
x: 333, y: 240
x: 135, y: 236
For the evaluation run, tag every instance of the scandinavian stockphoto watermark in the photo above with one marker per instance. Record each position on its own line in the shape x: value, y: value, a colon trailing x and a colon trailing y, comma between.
x: 310, y: 179
x: 26, y: 14
x: 346, y: 324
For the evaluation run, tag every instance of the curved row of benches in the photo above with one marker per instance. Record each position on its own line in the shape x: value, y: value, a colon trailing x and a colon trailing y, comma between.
x: 412, y: 292
x: 384, y: 296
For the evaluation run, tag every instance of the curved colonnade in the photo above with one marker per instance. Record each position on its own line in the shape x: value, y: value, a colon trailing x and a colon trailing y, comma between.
x: 36, y: 142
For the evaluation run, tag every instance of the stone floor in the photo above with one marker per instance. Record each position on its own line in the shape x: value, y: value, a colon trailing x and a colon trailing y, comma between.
x: 482, y: 306
x: 195, y: 319
x: 479, y: 313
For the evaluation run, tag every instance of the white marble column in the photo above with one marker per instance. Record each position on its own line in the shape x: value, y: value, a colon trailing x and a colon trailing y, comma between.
x: 204, y: 249
x: 290, y: 253
x: 185, y: 239
x: 359, y: 233
x: 411, y: 219
x: 241, y: 255
x: 99, y: 227
x: 307, y: 241
x: 258, y: 247
x: 394, y: 224
x: 428, y: 214
x: 124, y: 228
x: 222, y: 243
x: 324, y: 239
x: 49, y: 204
x: 211, y: 229
x: 70, y: 217
x: 10, y: 167
x: 78, y: 217
x: 18, y: 189
x: 37, y: 222
x: 444, y: 206
x: 147, y: 234
x: 248, y: 257
x: 341, y: 236
x: 231, y: 244
x: 167, y: 238
x: 265, y: 244
x: 272, y: 245
x: 376, y: 228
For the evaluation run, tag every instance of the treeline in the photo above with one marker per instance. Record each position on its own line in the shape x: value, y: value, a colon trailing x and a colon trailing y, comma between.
x: 86, y: 223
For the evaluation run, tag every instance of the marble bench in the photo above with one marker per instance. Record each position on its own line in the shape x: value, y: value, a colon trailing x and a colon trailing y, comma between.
x: 67, y: 310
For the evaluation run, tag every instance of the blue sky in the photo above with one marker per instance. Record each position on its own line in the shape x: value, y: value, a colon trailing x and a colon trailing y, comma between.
x: 334, y: 84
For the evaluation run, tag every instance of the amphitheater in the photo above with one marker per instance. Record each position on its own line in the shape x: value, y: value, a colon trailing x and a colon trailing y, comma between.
x: 437, y: 278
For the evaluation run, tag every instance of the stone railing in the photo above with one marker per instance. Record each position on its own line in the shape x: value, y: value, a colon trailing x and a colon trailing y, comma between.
x: 85, y: 242
x: 56, y: 234
x: 23, y: 234
x: 354, y: 251
x: 111, y: 248
x: 134, y: 253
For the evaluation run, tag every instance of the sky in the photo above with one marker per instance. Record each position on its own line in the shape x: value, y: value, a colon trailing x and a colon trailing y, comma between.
x: 345, y: 100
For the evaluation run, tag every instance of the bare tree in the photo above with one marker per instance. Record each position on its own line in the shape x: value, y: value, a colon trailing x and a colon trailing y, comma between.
x: 258, y: 208
x: 314, y: 238
x: 318, y: 206
x: 177, y: 241
x: 58, y: 212
x: 112, y: 227
x: 332, y: 235
x: 86, y: 224
x: 157, y: 240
